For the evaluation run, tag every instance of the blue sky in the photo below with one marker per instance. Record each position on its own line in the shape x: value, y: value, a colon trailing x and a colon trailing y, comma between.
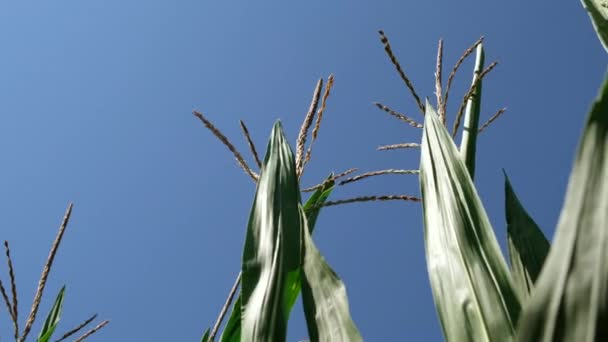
x: 95, y: 107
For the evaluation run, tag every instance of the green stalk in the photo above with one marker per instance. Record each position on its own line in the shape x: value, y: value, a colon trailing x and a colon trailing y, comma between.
x: 468, y: 143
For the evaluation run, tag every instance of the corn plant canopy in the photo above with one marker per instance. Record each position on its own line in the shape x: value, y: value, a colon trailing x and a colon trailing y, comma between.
x: 52, y: 319
x: 527, y: 245
x: 598, y: 12
x: 279, y: 256
x: 570, y: 300
x: 473, y: 292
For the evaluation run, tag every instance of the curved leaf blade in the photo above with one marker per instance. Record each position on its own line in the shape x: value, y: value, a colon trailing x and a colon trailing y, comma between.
x: 324, y: 298
x: 473, y: 292
x: 570, y: 300
x: 52, y: 319
x: 272, y: 249
x: 528, y: 247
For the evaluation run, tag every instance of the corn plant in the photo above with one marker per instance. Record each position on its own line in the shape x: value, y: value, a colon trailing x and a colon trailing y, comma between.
x: 548, y: 294
x: 280, y: 260
x: 544, y: 293
x: 277, y: 226
x: 52, y: 319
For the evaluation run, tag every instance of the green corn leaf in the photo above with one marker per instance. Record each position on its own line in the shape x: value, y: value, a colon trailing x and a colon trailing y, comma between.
x: 570, y: 299
x: 272, y: 251
x: 205, y: 337
x: 598, y: 12
x: 232, y: 331
x: 52, y: 318
x: 312, y: 208
x: 324, y: 298
x: 474, y: 295
x: 468, y: 144
x: 311, y: 212
x: 528, y: 246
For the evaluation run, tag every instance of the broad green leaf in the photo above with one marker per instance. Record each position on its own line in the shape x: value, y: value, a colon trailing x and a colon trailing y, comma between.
x: 312, y: 208
x: 474, y: 295
x: 570, y: 299
x: 528, y: 246
x: 205, y: 337
x: 52, y: 318
x: 324, y: 298
x: 468, y: 144
x: 272, y: 251
x: 598, y: 12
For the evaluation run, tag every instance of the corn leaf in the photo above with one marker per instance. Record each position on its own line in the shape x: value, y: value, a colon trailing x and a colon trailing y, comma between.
x: 272, y: 249
x: 52, y: 319
x: 324, y: 298
x: 598, y: 12
x: 205, y: 337
x: 570, y: 300
x: 468, y: 144
x: 232, y: 331
x: 312, y: 208
x: 473, y: 292
x: 311, y: 212
x: 528, y: 247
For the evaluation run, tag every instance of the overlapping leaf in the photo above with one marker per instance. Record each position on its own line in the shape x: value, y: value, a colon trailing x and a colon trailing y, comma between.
x: 312, y: 208
x: 473, y: 292
x: 324, y: 298
x: 570, y: 300
x: 52, y: 319
x: 598, y: 12
x: 528, y: 246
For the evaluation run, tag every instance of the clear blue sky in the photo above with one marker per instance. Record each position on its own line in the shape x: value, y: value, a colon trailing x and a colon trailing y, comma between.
x: 95, y: 108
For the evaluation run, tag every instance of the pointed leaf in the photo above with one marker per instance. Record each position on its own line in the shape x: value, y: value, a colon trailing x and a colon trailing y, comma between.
x: 570, y: 300
x: 598, y: 12
x: 205, y: 337
x: 528, y: 246
x: 473, y: 292
x: 312, y: 208
x: 272, y: 249
x: 324, y: 298
x: 52, y: 319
